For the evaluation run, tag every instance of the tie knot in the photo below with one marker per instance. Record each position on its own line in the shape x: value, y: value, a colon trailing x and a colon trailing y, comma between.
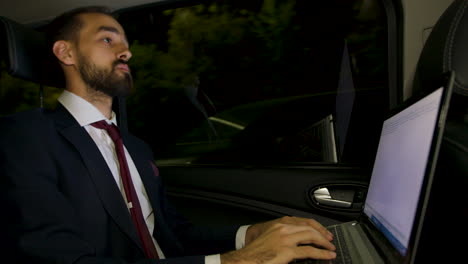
x: 111, y: 129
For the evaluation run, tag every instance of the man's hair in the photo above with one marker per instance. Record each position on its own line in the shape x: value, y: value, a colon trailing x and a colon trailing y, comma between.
x: 68, y: 25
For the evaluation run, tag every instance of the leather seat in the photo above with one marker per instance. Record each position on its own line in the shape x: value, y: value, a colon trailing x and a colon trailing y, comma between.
x: 446, y: 49
x: 25, y: 53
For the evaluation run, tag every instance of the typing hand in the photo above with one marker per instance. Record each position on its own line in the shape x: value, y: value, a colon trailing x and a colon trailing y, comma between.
x: 279, y: 243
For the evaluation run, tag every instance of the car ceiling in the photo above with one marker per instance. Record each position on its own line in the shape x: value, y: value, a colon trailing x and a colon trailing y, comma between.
x: 33, y: 11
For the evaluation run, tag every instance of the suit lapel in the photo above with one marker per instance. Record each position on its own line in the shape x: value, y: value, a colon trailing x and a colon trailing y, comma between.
x: 99, y: 172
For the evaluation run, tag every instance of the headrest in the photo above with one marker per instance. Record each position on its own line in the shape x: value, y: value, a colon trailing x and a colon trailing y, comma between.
x: 27, y: 56
x: 446, y: 49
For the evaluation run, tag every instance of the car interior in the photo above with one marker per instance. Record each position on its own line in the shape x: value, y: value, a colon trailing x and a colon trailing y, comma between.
x: 443, y: 51
x: 244, y: 193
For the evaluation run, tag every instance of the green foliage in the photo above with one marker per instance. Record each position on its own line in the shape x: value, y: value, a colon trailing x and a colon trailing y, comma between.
x: 244, y: 52
x: 18, y: 95
x: 241, y: 53
x: 217, y: 40
x: 271, y: 25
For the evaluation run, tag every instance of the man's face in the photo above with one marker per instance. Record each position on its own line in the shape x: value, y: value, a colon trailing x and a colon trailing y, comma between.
x: 102, y: 55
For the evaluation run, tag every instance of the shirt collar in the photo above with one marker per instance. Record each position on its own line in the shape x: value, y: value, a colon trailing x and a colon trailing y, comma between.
x: 83, y: 111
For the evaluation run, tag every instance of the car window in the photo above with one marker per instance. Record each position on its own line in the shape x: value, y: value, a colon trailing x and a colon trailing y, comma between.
x: 18, y: 95
x: 258, y: 81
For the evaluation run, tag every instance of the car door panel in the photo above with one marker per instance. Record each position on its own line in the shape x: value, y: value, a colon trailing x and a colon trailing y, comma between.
x: 226, y: 195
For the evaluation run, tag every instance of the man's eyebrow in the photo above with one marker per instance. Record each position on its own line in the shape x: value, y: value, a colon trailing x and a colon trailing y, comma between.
x: 113, y: 30
x: 110, y: 29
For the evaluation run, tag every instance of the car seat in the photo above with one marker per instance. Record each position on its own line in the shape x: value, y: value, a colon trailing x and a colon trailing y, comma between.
x: 445, y: 50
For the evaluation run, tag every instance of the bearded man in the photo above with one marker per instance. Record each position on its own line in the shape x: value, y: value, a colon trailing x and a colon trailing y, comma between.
x: 77, y: 190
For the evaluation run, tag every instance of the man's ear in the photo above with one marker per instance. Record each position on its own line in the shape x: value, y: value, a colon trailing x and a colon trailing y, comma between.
x: 63, y: 51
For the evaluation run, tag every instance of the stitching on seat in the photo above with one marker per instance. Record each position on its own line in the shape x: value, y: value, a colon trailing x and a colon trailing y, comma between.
x: 451, y: 36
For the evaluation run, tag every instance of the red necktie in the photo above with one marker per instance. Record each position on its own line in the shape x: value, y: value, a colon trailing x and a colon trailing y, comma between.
x: 132, y: 198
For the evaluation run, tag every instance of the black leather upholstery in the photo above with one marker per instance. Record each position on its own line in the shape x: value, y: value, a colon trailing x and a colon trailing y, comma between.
x: 27, y: 56
x: 444, y: 231
x: 446, y: 49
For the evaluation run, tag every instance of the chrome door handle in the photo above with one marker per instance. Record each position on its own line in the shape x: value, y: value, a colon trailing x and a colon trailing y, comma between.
x: 322, y: 196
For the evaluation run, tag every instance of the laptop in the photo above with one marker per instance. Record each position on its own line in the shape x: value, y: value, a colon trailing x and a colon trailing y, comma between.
x: 389, y: 228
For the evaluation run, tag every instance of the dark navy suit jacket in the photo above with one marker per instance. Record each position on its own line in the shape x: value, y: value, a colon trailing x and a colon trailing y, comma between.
x: 62, y: 204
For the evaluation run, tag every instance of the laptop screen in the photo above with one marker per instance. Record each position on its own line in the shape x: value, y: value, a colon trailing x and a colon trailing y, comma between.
x: 399, y: 169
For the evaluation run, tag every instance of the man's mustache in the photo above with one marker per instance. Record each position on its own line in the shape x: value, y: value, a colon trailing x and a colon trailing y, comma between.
x: 119, y: 61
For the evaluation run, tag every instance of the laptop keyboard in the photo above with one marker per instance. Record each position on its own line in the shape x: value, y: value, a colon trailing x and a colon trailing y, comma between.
x: 342, y: 253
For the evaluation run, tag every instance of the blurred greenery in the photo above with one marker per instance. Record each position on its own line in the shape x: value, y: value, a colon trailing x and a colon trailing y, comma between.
x: 18, y: 95
x: 223, y: 39
x: 232, y: 48
x: 237, y: 52
x: 240, y: 52
x: 244, y: 55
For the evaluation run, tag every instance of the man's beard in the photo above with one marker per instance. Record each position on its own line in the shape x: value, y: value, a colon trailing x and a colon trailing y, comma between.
x: 109, y: 83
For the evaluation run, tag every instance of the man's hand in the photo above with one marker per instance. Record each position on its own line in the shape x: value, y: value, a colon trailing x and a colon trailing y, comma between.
x: 281, y: 241
x: 256, y: 230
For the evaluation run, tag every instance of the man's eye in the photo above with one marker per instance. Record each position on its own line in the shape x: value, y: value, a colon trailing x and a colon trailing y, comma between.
x: 107, y: 40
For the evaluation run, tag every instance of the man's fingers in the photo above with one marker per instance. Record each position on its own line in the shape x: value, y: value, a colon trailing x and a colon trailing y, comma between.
x: 311, y: 236
x: 319, y: 227
x: 314, y: 253
x: 323, y: 230
x: 301, y: 234
x: 308, y: 222
x: 284, y: 242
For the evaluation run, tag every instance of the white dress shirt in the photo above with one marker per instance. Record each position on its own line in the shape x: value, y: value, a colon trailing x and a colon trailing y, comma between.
x: 86, y: 114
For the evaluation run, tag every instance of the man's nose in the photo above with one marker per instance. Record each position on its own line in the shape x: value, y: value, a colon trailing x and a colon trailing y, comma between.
x: 125, y: 54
